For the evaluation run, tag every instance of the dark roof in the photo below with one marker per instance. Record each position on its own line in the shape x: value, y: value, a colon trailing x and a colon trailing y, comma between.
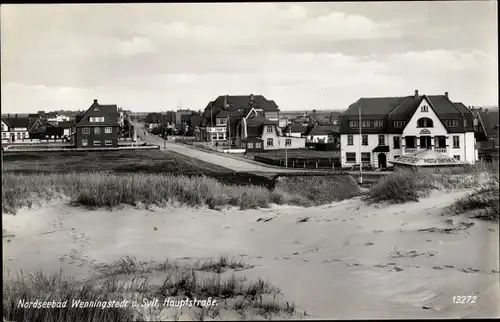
x: 195, y: 120
x: 66, y: 124
x: 390, y: 109
x: 489, y: 118
x: 323, y: 129
x: 381, y: 148
x: 13, y: 122
x: 110, y: 113
x: 374, y: 105
x: 294, y: 128
x: 469, y: 116
x: 221, y: 114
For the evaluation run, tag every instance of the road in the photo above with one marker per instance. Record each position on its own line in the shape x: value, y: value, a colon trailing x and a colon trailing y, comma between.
x: 219, y: 159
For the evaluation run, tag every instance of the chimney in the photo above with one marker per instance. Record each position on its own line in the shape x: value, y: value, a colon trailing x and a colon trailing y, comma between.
x: 95, y: 101
x: 225, y: 102
x: 16, y: 115
x: 251, y: 97
x: 446, y: 94
x: 416, y: 93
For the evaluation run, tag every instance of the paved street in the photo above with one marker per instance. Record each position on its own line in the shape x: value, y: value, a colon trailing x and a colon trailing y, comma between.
x: 219, y: 159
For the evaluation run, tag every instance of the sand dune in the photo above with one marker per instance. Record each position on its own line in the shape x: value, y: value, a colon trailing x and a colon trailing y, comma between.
x: 344, y: 260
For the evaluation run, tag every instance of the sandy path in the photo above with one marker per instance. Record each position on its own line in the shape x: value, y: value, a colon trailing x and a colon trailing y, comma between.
x: 338, y: 264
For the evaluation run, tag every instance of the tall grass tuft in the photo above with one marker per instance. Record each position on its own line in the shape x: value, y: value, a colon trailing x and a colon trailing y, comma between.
x: 410, y: 186
x: 100, y: 189
x: 482, y: 201
x: 131, y: 280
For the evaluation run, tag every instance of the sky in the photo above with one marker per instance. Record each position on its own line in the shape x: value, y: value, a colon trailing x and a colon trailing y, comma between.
x: 304, y: 56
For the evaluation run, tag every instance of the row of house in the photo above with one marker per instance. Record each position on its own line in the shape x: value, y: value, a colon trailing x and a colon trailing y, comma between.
x: 390, y: 128
x: 99, y: 126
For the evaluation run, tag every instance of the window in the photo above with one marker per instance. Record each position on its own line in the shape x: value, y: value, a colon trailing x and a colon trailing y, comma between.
x: 366, y: 157
x: 3, y: 128
x: 365, y: 139
x: 350, y: 140
x: 425, y: 122
x: 250, y: 145
x: 440, y: 142
x: 269, y: 129
x: 258, y: 145
x: 396, y: 157
x: 108, y: 142
x: 214, y: 136
x: 269, y: 142
x: 97, y: 143
x: 221, y: 121
x: 96, y: 119
x: 399, y: 124
x: 288, y: 142
x: 97, y: 130
x: 365, y: 124
x: 86, y: 130
x: 350, y: 157
x: 18, y: 135
x: 378, y: 123
x: 456, y: 141
x: 24, y: 135
x: 424, y: 108
x: 85, y: 142
x: 108, y: 129
x: 353, y: 123
x: 4, y: 135
x: 396, y: 142
x: 381, y: 139
x: 451, y: 123
x: 457, y: 157
x: 220, y: 136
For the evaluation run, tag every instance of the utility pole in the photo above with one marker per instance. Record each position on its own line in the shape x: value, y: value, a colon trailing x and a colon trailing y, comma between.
x: 360, y: 159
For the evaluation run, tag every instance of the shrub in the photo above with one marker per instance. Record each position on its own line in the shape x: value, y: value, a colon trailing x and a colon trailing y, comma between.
x: 400, y: 187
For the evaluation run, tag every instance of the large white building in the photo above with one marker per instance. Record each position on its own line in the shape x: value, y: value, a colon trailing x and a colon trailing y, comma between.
x: 395, y: 126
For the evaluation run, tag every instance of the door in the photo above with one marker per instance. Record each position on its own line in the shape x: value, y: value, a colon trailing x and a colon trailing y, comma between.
x: 425, y: 142
x: 12, y: 137
x: 382, y: 161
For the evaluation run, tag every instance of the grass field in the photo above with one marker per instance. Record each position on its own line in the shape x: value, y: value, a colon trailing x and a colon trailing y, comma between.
x: 151, y: 161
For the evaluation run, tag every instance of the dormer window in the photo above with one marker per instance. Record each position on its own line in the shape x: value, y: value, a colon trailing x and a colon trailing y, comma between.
x: 424, y: 108
x: 399, y: 124
x: 96, y: 119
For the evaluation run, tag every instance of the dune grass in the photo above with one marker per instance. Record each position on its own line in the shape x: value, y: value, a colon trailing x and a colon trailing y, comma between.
x: 131, y: 280
x: 410, y: 186
x: 96, y: 189
x: 483, y: 201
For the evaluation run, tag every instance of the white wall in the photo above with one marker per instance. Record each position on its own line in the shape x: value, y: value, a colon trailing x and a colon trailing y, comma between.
x: 411, y: 128
x: 372, y: 144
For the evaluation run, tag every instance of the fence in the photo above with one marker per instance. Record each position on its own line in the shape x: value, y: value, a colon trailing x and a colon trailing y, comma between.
x: 306, y: 163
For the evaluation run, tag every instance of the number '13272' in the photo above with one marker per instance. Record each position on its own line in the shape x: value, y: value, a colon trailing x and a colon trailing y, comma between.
x: 464, y: 299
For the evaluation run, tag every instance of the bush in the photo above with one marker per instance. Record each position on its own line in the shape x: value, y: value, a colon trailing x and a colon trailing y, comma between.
x: 400, y: 187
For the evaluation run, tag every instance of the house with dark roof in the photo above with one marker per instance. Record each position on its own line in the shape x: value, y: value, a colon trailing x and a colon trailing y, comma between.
x: 318, y: 133
x: 257, y: 133
x: 98, y: 127
x: 234, y: 108
x: 394, y: 126
x: 15, y: 128
x: 294, y: 129
x: 487, y: 129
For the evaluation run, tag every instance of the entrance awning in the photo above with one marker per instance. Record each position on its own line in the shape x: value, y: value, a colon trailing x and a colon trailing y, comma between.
x: 381, y: 148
